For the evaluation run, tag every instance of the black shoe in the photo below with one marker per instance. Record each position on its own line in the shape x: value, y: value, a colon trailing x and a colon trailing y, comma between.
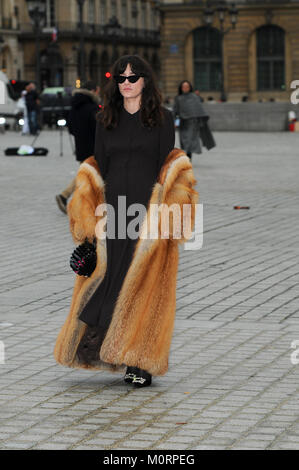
x: 142, y: 378
x: 62, y: 203
x: 130, y: 374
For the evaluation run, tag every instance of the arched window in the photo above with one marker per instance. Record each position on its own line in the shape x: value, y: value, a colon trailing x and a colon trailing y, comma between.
x: 270, y: 54
x: 51, y: 67
x: 207, y: 58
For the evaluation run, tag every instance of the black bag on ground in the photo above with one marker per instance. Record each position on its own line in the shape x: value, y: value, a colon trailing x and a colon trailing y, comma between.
x: 38, y: 152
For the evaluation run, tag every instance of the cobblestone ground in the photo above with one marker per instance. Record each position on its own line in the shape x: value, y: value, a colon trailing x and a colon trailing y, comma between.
x: 231, y: 383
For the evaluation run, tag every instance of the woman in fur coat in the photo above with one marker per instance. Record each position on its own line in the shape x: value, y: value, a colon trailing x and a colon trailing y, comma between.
x: 121, y: 318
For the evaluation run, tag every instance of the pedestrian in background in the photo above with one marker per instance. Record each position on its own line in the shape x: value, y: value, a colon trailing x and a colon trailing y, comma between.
x: 23, y: 108
x: 192, y: 120
x: 82, y: 125
x: 32, y: 104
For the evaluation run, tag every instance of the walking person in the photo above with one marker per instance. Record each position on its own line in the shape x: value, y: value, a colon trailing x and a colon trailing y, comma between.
x: 193, y: 120
x: 82, y: 125
x: 32, y: 104
x: 122, y: 316
x: 22, y: 106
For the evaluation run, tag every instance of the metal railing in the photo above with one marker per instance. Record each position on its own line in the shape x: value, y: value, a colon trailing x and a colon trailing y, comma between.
x: 98, y: 31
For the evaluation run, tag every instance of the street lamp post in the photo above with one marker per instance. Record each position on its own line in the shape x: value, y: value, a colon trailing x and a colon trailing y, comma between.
x: 134, y: 16
x: 221, y: 9
x: 81, y: 47
x: 1, y: 43
x: 113, y: 29
x: 37, y: 13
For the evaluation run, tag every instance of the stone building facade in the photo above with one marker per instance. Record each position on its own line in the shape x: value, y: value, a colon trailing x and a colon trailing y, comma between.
x: 258, y: 59
x: 138, y: 33
x: 260, y: 56
x: 10, y: 54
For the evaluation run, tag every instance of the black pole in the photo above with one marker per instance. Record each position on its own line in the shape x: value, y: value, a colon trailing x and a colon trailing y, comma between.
x: 37, y: 48
x: 60, y: 100
x: 81, y: 49
x: 223, y: 94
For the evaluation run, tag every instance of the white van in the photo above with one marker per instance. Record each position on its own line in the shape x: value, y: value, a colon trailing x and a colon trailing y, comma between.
x: 8, y: 107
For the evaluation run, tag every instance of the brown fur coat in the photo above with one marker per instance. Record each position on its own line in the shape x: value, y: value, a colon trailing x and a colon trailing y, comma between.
x: 142, y: 324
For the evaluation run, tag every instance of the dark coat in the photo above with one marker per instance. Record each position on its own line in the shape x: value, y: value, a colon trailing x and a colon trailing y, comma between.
x: 205, y: 133
x: 31, y: 100
x: 188, y: 107
x: 82, y: 122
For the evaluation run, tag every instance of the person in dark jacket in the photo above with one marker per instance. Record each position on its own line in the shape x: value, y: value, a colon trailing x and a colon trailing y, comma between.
x: 32, y: 105
x: 193, y: 120
x: 82, y: 125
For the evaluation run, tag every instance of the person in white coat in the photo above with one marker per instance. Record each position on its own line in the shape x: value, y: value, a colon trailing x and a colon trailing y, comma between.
x: 23, y: 107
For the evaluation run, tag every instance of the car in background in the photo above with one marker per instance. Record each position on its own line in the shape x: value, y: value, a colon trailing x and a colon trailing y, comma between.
x: 55, y: 104
x: 9, y: 110
x: 16, y: 87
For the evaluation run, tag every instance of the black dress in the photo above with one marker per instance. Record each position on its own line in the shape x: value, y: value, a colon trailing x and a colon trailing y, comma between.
x: 130, y: 158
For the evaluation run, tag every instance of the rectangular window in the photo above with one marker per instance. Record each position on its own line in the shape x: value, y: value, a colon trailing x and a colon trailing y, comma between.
x: 201, y: 76
x: 207, y: 75
x: 124, y: 13
x: 271, y: 75
x: 153, y: 18
x: 50, y: 13
x: 103, y: 12
x: 113, y: 8
x: 264, y: 75
x: 143, y: 16
x: 278, y: 75
x: 134, y: 12
x: 91, y: 12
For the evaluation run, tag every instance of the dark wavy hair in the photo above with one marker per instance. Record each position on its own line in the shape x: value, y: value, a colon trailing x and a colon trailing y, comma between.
x: 180, y: 91
x: 151, y: 112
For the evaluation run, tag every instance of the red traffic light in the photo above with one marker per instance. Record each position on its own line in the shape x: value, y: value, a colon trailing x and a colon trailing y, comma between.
x: 13, y: 82
x: 108, y: 75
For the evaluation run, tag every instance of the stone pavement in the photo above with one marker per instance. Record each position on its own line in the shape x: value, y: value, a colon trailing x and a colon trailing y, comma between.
x: 231, y: 383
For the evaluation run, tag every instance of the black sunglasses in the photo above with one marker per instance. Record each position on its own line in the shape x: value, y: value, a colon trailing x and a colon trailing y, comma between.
x: 131, y: 78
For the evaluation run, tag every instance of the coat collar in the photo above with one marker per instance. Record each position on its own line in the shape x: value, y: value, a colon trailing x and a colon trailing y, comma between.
x: 84, y: 91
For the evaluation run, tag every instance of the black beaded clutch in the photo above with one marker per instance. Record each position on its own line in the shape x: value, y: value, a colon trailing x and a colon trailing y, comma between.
x: 84, y: 259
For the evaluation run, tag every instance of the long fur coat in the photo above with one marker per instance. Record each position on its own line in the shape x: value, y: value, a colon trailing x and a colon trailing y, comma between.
x: 142, y: 323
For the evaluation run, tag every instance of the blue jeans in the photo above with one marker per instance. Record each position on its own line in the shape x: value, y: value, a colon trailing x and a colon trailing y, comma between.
x: 32, y: 117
